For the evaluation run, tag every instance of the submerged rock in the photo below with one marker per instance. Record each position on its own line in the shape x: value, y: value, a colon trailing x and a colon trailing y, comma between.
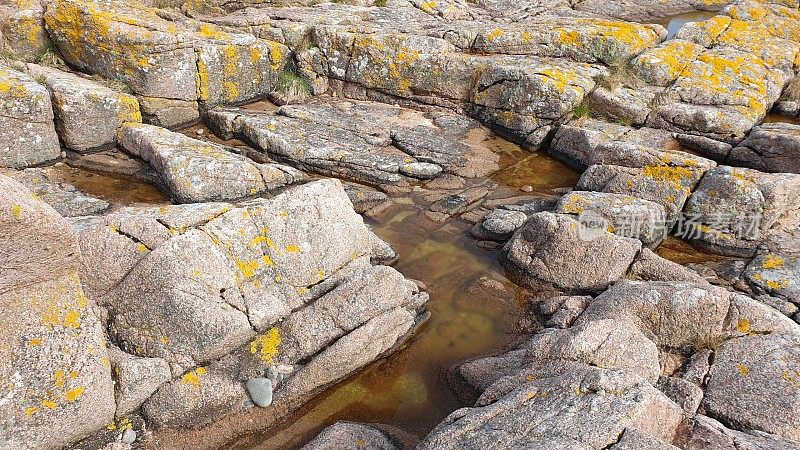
x: 63, y: 197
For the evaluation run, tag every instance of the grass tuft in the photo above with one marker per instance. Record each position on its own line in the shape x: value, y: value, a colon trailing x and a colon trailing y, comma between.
x: 293, y: 87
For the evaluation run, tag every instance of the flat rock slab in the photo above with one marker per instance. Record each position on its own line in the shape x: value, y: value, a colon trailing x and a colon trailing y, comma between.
x: 362, y: 141
x: 27, y: 133
x: 63, y: 197
x: 87, y: 113
x: 198, y: 171
x: 582, y: 408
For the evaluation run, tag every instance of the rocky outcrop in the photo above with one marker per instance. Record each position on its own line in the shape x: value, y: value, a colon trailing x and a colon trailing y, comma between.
x: 162, y: 54
x: 355, y: 435
x: 362, y: 141
x: 87, y: 114
x: 770, y: 147
x: 225, y: 294
x: 27, y: 134
x: 199, y: 171
x: 55, y: 369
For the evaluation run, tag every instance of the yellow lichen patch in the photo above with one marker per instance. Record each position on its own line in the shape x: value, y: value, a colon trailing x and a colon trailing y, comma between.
x: 743, y: 370
x: 193, y: 377
x: 74, y: 393
x: 291, y: 248
x: 31, y: 410
x: 72, y: 319
x: 49, y: 404
x: 212, y: 32
x: 247, y: 268
x: 675, y: 176
x: 773, y: 262
x: 16, y: 211
x: 777, y: 285
x: 202, y: 79
x: 142, y: 248
x: 494, y: 34
x: 59, y: 377
x: 35, y: 342
x: 267, y: 260
x: 569, y: 37
x: 743, y: 326
x: 266, y: 345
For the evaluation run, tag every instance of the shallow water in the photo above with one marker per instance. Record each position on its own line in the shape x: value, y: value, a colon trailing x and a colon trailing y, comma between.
x: 118, y: 190
x: 409, y: 389
x: 674, y: 23
x: 773, y: 118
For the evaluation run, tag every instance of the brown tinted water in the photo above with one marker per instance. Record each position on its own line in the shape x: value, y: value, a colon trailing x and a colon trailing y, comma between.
x: 773, y: 118
x: 674, y: 23
x: 118, y: 190
x: 409, y: 389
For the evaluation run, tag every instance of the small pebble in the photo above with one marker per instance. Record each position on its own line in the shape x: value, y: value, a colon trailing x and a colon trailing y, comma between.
x: 63, y: 155
x: 129, y: 436
x: 200, y: 131
x: 526, y: 188
x: 260, y: 391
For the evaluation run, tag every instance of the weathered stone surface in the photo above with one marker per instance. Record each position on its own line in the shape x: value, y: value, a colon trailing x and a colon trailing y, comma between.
x: 365, y: 142
x: 714, y: 149
x: 199, y: 171
x: 54, y: 365
x: 701, y: 433
x: 194, y: 399
x: 662, y: 65
x: 549, y: 250
x: 584, y: 408
x: 770, y: 147
x: 753, y: 383
x: 63, y: 197
x: 162, y: 54
x: 22, y: 31
x: 623, y: 105
x: 349, y: 435
x: 776, y: 274
x: 168, y: 113
x: 685, y: 394
x: 634, y: 439
x: 136, y: 379
x: 27, y: 134
x: 87, y: 113
x: 732, y: 208
x: 601, y: 343
x: 648, y: 266
x: 626, y: 216
x: 221, y: 270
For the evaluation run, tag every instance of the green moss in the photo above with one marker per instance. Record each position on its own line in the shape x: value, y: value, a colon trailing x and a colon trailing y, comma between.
x: 380, y: 3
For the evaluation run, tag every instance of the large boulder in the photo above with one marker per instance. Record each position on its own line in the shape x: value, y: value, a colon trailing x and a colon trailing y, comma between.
x: 753, y: 383
x: 557, y: 250
x: 54, y: 364
x: 27, y: 133
x: 87, y: 113
x: 199, y: 171
x: 732, y: 209
x: 162, y: 54
x: 770, y: 147
x: 582, y: 408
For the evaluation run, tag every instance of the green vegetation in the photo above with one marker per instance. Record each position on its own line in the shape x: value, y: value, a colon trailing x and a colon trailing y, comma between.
x: 380, y: 3
x: 584, y: 110
x: 49, y: 57
x: 292, y: 86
